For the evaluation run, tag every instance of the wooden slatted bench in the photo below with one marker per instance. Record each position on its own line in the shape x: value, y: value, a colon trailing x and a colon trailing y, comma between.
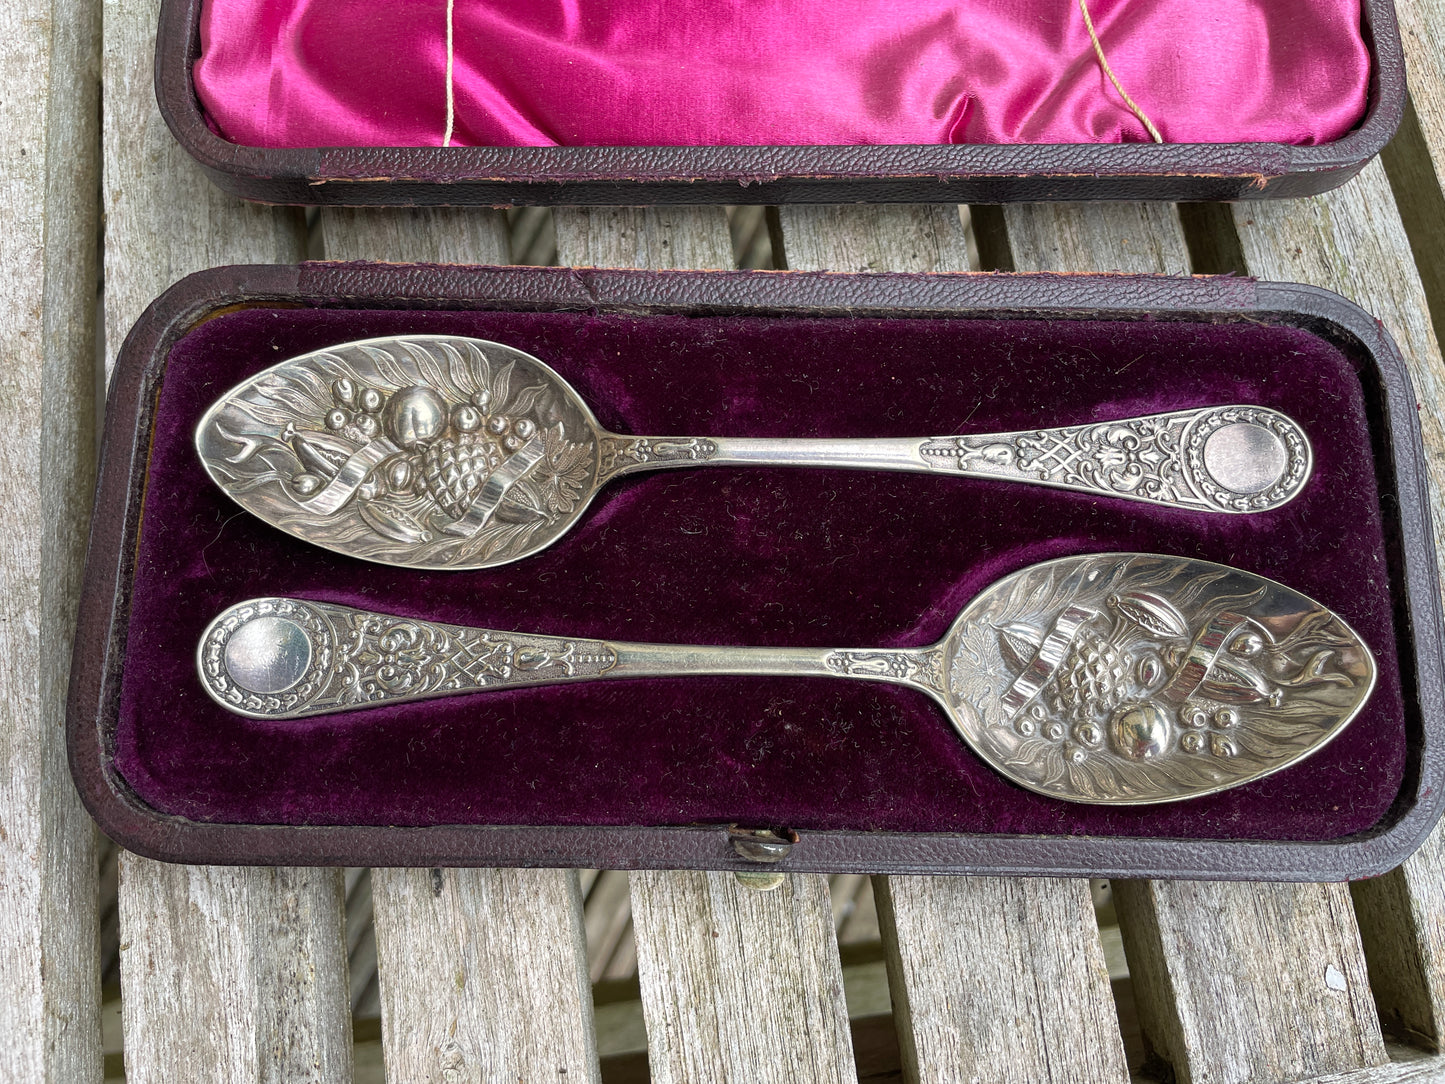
x: 233, y: 974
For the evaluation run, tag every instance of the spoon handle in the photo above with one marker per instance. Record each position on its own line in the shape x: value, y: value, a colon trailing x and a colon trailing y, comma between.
x: 282, y: 658
x: 1218, y: 459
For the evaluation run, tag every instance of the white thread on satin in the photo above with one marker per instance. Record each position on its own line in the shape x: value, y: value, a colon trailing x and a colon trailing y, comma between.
x: 451, y: 94
x: 1104, y: 63
x: 1083, y: 8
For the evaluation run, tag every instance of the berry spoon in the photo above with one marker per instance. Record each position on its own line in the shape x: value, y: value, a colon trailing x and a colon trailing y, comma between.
x: 441, y: 452
x: 1115, y: 678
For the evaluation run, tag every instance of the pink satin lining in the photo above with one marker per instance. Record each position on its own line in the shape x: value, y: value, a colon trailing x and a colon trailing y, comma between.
x: 304, y: 73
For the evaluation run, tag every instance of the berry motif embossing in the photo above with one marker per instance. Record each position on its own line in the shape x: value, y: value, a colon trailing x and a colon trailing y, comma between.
x: 1130, y: 675
x: 423, y: 452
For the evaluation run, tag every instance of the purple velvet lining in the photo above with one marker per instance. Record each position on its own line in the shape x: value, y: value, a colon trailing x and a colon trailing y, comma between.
x: 755, y: 556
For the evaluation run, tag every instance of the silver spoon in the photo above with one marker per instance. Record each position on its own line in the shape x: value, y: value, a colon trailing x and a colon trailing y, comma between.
x: 433, y: 451
x: 1119, y: 678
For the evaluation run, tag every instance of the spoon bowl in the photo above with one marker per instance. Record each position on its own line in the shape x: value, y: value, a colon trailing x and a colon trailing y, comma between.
x: 1138, y: 678
x: 1117, y: 678
x: 442, y: 452
x: 423, y: 452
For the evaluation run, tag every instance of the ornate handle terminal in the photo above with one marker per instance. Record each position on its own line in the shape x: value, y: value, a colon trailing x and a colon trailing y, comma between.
x: 282, y: 658
x: 1220, y: 459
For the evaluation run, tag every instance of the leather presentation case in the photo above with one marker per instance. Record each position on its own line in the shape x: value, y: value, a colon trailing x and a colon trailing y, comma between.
x: 732, y: 772
x: 959, y: 173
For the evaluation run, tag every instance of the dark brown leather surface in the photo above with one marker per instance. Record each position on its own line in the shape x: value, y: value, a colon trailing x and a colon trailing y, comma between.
x: 100, y: 646
x: 768, y: 175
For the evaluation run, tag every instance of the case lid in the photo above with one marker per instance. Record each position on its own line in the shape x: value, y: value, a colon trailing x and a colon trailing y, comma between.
x: 311, y: 120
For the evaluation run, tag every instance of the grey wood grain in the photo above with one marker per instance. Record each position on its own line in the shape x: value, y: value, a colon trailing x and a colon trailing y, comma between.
x: 999, y: 979
x: 659, y: 238
x: 1138, y: 238
x: 483, y: 976
x: 1402, y: 926
x: 226, y: 974
x: 1240, y: 982
x: 736, y: 984
x: 482, y: 973
x: 1352, y: 241
x: 1402, y: 915
x: 1262, y: 1026
x: 49, y: 132
x: 965, y: 954
x: 232, y: 974
x: 898, y: 237
x: 908, y: 237
x: 414, y: 234
x: 1422, y: 34
x: 163, y: 218
x: 1415, y: 158
x: 1407, y: 1066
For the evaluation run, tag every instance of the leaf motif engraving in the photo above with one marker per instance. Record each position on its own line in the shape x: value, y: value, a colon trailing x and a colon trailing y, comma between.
x: 1150, y: 612
x: 1271, y: 677
x: 381, y: 448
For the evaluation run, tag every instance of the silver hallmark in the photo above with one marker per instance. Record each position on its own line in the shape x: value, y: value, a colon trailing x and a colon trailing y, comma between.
x: 1111, y: 678
x: 435, y: 451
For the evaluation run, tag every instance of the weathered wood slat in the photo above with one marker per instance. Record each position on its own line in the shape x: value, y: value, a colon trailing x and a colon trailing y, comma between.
x: 1407, y: 1066
x: 415, y: 234
x: 1421, y: 23
x: 482, y: 973
x: 226, y: 974
x: 232, y: 974
x: 1245, y: 982
x: 1136, y: 238
x: 49, y: 132
x: 736, y: 984
x: 1255, y: 985
x: 1352, y: 241
x: 908, y: 237
x: 163, y: 218
x: 659, y: 238
x: 1402, y: 925
x: 999, y: 979
x: 1415, y: 158
x: 1141, y: 238
x: 992, y: 978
